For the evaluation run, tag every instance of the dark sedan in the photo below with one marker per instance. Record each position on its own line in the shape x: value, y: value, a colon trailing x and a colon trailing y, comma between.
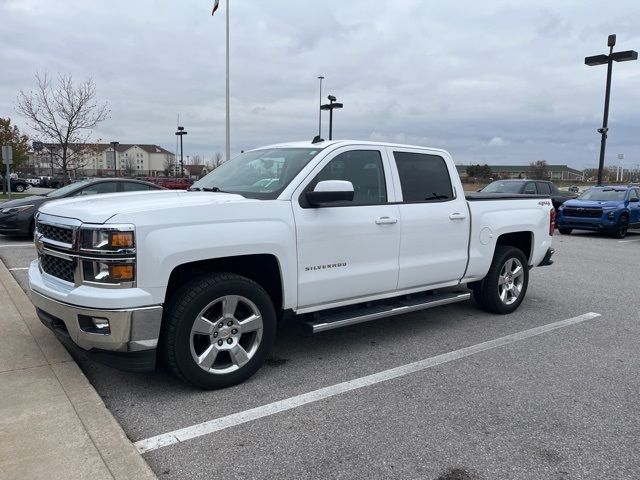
x: 531, y: 187
x: 16, y: 216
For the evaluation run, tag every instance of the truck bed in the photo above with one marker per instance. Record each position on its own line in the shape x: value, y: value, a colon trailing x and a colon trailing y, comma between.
x: 481, y: 196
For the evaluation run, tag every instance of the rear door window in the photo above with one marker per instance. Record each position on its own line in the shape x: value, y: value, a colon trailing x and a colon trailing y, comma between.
x: 544, y: 188
x: 423, y: 177
x: 530, y: 188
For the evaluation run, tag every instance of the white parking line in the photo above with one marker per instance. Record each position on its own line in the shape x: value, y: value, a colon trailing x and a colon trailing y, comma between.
x: 18, y: 268
x: 239, y: 418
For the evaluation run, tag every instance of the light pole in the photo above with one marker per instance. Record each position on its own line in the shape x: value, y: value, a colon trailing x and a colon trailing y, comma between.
x: 114, y: 145
x: 181, y: 131
x: 625, y: 56
x: 320, y: 109
x: 331, y: 106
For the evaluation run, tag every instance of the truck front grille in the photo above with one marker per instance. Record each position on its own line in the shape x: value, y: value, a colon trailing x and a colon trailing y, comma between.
x: 582, y: 212
x: 55, y: 233
x: 57, y: 267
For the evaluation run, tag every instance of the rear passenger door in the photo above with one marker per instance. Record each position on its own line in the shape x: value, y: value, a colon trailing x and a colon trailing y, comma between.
x: 434, y: 219
x: 634, y: 208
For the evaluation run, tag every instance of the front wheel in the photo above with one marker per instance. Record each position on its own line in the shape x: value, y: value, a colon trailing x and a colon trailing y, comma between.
x: 218, y: 330
x: 565, y: 231
x: 19, y: 188
x: 505, y: 285
x: 623, y: 226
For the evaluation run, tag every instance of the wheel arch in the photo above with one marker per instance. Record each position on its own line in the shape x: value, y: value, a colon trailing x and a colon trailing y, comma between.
x: 264, y: 269
x: 520, y: 240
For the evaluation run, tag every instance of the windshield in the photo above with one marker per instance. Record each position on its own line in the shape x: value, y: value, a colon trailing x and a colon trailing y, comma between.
x: 61, y: 192
x: 261, y: 174
x: 503, y: 187
x: 603, y: 195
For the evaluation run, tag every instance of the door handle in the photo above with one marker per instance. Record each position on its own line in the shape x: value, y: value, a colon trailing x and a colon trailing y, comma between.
x: 386, y: 221
x: 457, y: 216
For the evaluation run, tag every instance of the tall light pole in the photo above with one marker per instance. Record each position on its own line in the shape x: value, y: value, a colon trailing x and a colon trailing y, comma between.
x: 320, y: 109
x: 181, y: 132
x: 331, y: 106
x: 114, y: 146
x: 625, y: 56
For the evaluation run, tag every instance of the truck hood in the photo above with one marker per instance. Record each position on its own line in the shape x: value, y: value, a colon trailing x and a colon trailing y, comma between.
x: 100, y: 208
x: 591, y: 203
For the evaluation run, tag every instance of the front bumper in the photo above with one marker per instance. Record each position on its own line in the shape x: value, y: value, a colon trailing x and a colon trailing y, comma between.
x: 130, y: 344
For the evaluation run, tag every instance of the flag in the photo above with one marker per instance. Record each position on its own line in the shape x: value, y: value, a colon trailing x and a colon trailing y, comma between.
x: 215, y: 6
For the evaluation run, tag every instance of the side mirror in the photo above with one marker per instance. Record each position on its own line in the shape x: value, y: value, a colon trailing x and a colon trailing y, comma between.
x: 330, y: 191
x: 633, y: 200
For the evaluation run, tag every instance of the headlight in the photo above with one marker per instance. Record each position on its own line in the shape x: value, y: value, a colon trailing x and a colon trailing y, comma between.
x: 108, y: 271
x: 19, y: 209
x: 611, y: 215
x: 115, y: 239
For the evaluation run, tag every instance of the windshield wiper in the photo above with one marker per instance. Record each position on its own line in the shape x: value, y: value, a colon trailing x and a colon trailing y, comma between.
x: 205, y: 189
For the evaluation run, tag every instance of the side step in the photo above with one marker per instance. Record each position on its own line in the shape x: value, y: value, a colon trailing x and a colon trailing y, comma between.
x: 341, y: 317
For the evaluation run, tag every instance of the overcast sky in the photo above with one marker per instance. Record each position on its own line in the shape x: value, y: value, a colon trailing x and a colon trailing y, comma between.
x: 500, y: 82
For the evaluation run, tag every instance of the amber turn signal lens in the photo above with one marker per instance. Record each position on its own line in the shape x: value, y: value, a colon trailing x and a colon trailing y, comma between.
x: 122, y: 273
x: 122, y: 240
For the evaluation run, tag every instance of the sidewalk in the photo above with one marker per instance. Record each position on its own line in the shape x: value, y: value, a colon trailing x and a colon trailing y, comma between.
x: 53, y: 424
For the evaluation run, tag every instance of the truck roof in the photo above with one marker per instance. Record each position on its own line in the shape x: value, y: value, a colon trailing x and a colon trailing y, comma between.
x: 328, y: 143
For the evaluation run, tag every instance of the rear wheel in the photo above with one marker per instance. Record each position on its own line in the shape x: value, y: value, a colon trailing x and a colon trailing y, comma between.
x: 565, y: 231
x: 505, y: 285
x: 19, y: 188
x: 218, y: 330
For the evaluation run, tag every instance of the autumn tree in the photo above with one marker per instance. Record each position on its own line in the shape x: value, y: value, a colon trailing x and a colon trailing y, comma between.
x: 64, y: 115
x: 539, y: 170
x: 19, y: 142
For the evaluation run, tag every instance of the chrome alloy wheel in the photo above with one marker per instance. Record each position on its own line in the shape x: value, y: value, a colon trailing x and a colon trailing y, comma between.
x: 510, y: 281
x: 226, y: 334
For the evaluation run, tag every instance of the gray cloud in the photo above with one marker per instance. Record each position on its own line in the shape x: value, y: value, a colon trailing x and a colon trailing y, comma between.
x: 498, y: 82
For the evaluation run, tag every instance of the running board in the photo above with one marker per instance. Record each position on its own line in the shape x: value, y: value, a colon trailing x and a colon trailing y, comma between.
x: 323, y: 321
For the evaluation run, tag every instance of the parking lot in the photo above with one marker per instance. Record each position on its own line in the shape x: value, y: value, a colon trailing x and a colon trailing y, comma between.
x: 491, y: 399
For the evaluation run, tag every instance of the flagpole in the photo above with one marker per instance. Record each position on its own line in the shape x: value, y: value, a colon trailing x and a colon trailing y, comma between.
x: 228, y: 110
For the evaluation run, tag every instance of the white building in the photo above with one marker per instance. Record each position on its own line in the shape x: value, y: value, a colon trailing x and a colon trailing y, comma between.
x: 133, y: 160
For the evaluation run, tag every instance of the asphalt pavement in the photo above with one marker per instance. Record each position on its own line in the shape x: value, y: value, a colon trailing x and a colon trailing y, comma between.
x: 561, y: 404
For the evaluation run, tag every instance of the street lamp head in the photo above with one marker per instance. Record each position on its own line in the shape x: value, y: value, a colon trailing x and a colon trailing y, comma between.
x: 180, y: 129
x: 331, y: 98
x: 611, y: 41
x: 596, y: 60
x: 326, y: 106
x: 320, y: 77
x: 625, y: 56
x: 337, y: 105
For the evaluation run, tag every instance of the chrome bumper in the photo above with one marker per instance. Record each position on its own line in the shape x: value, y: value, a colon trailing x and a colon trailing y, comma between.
x: 131, y: 330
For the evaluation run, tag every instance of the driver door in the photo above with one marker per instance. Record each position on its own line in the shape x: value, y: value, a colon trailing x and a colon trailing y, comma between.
x: 348, y: 250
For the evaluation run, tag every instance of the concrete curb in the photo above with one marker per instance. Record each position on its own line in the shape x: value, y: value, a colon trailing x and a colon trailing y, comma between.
x: 106, y: 451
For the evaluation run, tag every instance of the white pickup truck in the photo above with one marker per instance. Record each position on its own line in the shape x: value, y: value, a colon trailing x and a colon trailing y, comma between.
x: 333, y: 233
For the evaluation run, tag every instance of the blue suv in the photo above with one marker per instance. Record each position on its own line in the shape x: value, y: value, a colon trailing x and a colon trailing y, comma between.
x: 611, y: 210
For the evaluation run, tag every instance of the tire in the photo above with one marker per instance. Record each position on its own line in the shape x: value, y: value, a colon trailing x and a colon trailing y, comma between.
x: 19, y: 188
x: 492, y: 294
x: 565, y: 231
x: 32, y: 227
x: 245, y: 332
x: 623, y: 226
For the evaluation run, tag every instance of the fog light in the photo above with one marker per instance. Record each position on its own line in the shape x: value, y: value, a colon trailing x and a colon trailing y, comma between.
x: 97, y: 325
x: 611, y: 215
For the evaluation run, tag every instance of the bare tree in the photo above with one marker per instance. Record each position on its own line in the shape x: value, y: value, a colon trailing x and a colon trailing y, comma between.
x: 169, y: 165
x: 128, y: 168
x: 63, y: 115
x: 196, y: 160
x: 539, y: 170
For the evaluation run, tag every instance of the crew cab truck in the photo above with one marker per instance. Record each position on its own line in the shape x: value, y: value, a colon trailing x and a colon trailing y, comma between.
x: 333, y: 233
x: 610, y: 210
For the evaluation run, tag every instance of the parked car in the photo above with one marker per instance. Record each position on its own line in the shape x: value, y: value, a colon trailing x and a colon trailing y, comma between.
x: 17, y: 216
x: 351, y: 232
x: 19, y: 185
x: 531, y: 187
x: 611, y: 210
x: 178, y: 183
x: 574, y: 189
